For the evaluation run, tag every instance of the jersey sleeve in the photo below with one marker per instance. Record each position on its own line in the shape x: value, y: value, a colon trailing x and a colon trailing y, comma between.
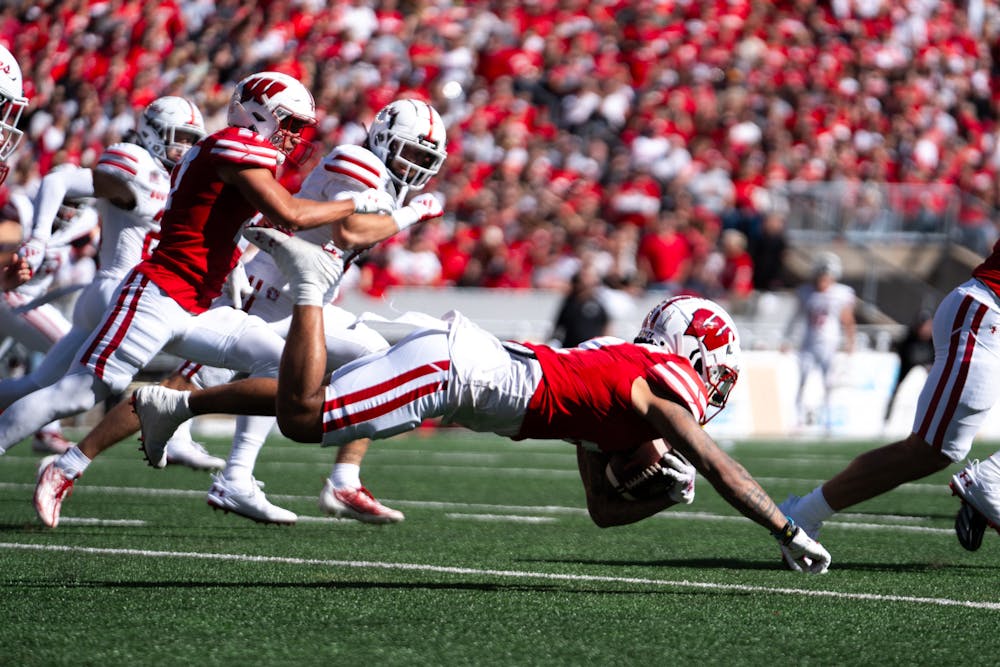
x: 679, y: 378
x: 142, y: 175
x: 347, y: 168
x: 54, y: 188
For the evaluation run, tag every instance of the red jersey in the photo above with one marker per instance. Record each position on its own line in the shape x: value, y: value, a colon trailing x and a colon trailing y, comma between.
x: 989, y: 271
x: 203, y: 215
x: 586, y: 392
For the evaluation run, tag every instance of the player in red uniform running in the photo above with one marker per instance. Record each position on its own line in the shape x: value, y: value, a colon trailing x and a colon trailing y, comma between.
x: 607, y: 395
x: 959, y: 392
x: 224, y: 180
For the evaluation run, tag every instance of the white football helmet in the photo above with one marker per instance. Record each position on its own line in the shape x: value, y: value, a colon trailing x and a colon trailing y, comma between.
x: 163, y: 125
x: 12, y: 103
x: 827, y: 264
x: 703, y: 332
x: 275, y: 106
x: 409, y: 137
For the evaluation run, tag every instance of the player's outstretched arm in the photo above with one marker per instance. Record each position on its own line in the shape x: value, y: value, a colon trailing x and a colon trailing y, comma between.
x: 731, y: 480
x: 605, y: 504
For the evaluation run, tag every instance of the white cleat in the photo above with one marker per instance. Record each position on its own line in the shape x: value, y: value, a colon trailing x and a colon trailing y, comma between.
x: 184, y: 452
x: 52, y: 487
x: 300, y: 260
x: 357, y: 504
x: 978, y: 486
x: 50, y: 442
x: 250, y: 503
x: 160, y: 411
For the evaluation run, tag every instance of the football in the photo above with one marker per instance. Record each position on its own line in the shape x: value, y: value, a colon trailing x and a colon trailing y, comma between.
x: 638, y: 474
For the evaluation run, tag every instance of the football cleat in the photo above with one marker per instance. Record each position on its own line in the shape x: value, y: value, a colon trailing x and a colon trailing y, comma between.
x: 50, y: 442
x: 977, y: 486
x: 52, y: 487
x: 185, y: 452
x: 160, y: 411
x: 250, y: 502
x: 970, y: 527
x: 357, y: 503
x: 300, y: 261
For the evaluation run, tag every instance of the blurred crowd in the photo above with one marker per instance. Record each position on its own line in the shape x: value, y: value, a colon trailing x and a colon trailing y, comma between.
x: 638, y: 140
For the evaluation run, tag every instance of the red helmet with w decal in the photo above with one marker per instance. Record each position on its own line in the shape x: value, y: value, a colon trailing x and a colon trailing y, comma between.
x: 275, y: 106
x: 703, y: 332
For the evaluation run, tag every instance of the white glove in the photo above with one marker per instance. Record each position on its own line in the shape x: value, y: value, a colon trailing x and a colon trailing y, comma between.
x: 237, y: 286
x: 683, y: 473
x: 801, y: 552
x: 424, y: 207
x: 372, y: 200
x: 33, y: 252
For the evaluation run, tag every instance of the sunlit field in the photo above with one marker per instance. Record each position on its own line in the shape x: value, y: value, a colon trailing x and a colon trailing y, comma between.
x: 496, y: 563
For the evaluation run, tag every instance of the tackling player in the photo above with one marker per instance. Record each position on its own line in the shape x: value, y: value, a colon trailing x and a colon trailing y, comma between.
x: 161, y: 305
x: 404, y: 149
x: 611, y: 394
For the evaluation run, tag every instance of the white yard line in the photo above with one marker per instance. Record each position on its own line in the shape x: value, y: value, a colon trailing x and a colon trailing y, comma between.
x: 884, y: 522
x: 510, y: 574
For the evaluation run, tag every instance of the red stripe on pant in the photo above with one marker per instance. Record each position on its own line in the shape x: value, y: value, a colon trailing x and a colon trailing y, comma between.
x: 123, y: 328
x: 188, y: 369
x: 963, y: 374
x: 340, y: 402
x: 956, y: 327
x: 385, y: 408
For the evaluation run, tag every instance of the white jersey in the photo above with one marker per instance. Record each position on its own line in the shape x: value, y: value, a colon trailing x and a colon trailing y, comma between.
x: 128, y: 237
x: 823, y: 311
x: 347, y: 168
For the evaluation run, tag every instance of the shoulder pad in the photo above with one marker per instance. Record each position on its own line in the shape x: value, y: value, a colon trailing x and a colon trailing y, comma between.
x: 142, y: 173
x: 357, y: 163
x: 126, y: 160
x: 600, y: 341
x: 676, y: 375
x: 241, y: 146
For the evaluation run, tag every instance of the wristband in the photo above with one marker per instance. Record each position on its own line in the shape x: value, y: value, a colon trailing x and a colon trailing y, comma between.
x: 785, y: 535
x: 405, y: 217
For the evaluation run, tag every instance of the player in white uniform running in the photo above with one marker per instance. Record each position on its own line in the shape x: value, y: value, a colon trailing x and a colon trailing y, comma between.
x: 26, y: 314
x: 960, y: 391
x: 405, y: 148
x: 826, y: 313
x: 130, y: 183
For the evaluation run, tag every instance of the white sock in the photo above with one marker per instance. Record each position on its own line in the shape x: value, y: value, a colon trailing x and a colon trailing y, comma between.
x: 346, y: 476
x: 251, y: 432
x: 813, y: 508
x: 73, y: 462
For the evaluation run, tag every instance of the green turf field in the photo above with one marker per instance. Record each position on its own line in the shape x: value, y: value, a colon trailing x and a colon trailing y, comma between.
x: 496, y: 564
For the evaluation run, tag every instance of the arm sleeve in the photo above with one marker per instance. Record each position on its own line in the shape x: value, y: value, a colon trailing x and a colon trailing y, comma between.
x: 84, y: 221
x: 54, y: 188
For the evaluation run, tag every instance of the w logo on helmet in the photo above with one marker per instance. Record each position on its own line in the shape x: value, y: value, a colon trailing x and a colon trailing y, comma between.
x: 711, y: 329
x: 261, y: 88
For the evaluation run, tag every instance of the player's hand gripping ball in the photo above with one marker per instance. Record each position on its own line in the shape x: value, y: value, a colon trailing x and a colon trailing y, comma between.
x: 651, y: 470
